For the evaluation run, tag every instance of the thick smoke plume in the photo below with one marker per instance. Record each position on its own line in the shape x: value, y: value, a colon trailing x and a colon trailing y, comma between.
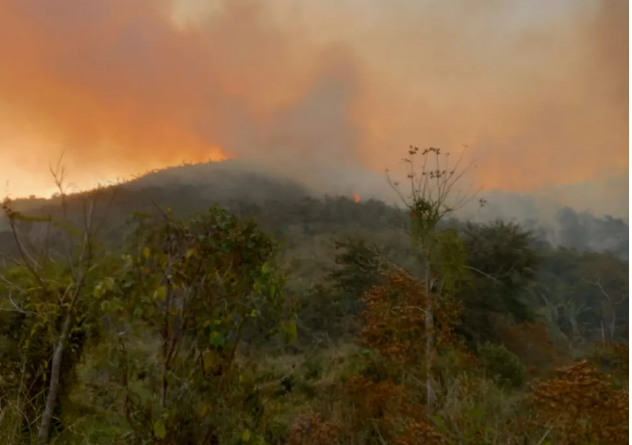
x: 538, y: 90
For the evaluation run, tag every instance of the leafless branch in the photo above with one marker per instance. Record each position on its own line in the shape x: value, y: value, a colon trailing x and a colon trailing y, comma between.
x: 16, y: 308
x: 597, y: 283
x: 474, y: 269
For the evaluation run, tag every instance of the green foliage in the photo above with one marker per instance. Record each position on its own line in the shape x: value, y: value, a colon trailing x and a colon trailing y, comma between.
x: 335, y: 302
x: 47, y: 319
x: 499, y: 363
x: 424, y: 217
x: 502, y: 266
x: 358, y: 267
x: 197, y: 284
x: 450, y: 259
x: 475, y: 410
x: 181, y: 325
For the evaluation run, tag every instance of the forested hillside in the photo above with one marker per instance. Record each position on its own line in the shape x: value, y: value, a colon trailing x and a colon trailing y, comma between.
x: 240, y: 308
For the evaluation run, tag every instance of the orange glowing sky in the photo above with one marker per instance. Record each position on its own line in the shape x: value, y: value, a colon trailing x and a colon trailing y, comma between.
x: 123, y: 86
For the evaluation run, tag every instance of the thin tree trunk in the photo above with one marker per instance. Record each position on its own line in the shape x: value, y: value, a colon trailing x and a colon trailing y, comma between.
x: 166, y: 337
x: 53, y: 391
x: 613, y: 325
x: 429, y: 338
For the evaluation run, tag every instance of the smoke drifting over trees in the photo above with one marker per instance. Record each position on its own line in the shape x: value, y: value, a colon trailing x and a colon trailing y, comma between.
x: 540, y: 94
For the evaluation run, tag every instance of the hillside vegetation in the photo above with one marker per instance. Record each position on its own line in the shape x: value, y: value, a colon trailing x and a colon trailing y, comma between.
x: 240, y: 309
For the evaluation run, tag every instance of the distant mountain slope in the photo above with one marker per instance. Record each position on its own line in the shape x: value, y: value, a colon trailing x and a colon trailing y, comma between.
x: 279, y: 202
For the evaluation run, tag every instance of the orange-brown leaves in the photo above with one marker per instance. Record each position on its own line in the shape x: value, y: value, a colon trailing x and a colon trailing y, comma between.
x: 377, y: 411
x: 419, y: 433
x: 312, y: 429
x: 397, y: 325
x: 581, y: 406
x: 393, y: 317
x: 390, y: 410
x: 396, y: 322
x: 381, y: 401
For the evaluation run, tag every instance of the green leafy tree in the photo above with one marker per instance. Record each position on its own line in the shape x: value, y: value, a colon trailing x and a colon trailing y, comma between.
x: 196, y: 285
x: 503, y: 266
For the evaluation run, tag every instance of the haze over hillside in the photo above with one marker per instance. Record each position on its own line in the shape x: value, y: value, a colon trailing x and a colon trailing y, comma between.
x: 331, y: 90
x: 236, y: 182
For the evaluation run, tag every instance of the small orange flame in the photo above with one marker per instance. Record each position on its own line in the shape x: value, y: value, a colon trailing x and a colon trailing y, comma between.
x: 356, y: 197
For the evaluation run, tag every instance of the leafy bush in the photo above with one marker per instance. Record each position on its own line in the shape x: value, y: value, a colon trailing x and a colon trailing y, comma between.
x: 502, y: 364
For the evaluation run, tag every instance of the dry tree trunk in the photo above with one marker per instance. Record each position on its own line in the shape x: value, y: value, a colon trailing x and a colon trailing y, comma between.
x: 47, y: 416
x: 429, y: 339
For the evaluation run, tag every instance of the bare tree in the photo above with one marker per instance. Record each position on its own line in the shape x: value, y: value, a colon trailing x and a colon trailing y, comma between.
x: 431, y: 195
x: 611, y: 304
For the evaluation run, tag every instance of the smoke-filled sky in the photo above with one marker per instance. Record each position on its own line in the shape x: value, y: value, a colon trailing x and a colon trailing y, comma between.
x: 538, y: 89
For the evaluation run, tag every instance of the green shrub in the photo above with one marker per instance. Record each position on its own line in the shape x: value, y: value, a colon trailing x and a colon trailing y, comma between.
x: 503, y: 365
